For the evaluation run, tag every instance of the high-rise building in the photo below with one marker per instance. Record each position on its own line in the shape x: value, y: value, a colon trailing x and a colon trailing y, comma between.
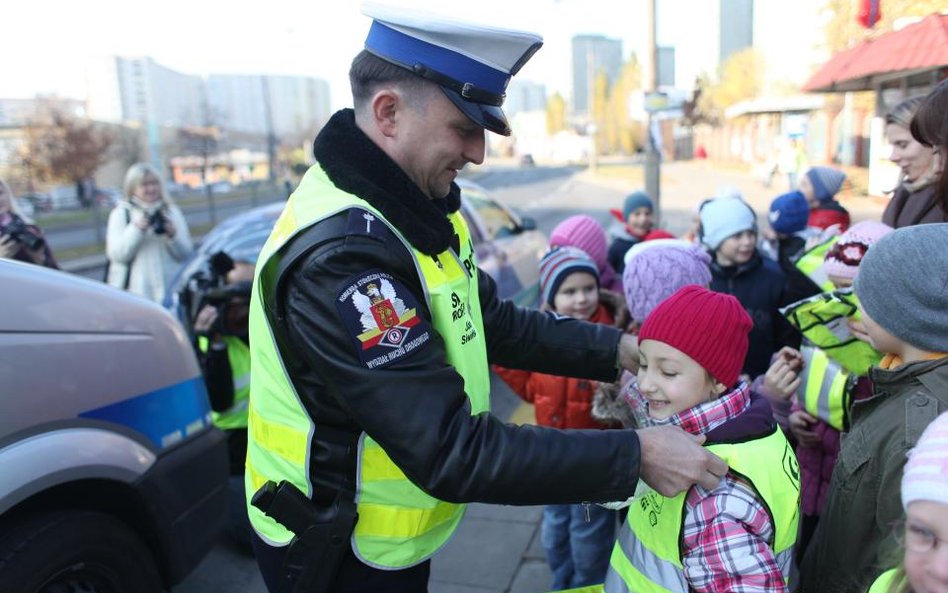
x: 593, y: 54
x: 666, y: 66
x: 256, y: 104
x: 737, y: 27
x: 525, y: 95
x: 138, y: 90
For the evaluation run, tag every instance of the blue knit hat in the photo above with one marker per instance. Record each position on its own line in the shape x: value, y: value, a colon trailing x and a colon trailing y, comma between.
x: 788, y: 213
x: 634, y: 201
x: 724, y: 217
x: 559, y: 263
x: 826, y: 182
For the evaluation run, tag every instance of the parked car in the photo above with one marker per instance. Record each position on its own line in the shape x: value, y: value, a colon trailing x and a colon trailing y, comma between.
x: 114, y: 478
x: 508, y: 247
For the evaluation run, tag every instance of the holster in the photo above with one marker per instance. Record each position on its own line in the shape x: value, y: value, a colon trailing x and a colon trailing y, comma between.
x: 321, y: 534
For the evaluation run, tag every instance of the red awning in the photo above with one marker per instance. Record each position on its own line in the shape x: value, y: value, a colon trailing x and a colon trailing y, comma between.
x: 919, y: 47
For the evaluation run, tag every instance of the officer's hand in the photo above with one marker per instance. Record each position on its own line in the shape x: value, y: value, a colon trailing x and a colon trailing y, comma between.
x: 205, y: 319
x: 629, y: 353
x: 673, y: 460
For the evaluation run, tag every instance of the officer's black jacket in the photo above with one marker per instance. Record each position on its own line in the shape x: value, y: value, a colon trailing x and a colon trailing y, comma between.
x: 415, y: 408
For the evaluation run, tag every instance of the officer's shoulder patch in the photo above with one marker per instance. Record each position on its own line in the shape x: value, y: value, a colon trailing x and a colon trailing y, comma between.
x: 364, y: 223
x: 382, y: 318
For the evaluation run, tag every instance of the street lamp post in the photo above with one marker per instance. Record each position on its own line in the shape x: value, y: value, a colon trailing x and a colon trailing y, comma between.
x: 652, y: 155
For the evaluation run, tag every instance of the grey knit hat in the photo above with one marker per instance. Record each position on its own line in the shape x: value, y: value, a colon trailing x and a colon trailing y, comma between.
x: 903, y: 285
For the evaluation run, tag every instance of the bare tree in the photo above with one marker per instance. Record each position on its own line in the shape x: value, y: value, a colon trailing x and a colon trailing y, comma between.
x: 60, y: 147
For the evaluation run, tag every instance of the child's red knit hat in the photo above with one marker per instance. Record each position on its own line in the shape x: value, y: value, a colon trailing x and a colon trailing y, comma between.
x: 710, y: 327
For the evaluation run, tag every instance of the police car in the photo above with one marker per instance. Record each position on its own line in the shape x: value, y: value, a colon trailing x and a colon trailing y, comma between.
x: 508, y: 247
x: 113, y: 477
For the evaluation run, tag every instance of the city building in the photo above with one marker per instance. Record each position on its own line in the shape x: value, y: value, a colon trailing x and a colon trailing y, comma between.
x: 593, y: 54
x: 525, y: 96
x: 285, y: 105
x: 666, y: 66
x: 737, y: 27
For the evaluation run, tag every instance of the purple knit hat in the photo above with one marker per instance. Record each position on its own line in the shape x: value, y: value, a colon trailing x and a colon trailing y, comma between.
x: 584, y: 232
x: 844, y: 257
x: 655, y: 274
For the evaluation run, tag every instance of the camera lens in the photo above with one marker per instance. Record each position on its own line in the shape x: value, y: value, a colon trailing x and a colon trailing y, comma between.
x: 158, y: 223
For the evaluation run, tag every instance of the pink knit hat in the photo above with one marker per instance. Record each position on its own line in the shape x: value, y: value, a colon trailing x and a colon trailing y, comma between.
x: 926, y: 474
x: 844, y: 256
x: 584, y: 232
x: 710, y: 327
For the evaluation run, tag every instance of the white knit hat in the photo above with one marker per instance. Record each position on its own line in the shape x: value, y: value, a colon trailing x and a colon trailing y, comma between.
x: 926, y: 473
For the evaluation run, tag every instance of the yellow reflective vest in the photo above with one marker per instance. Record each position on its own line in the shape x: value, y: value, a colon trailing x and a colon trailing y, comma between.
x: 825, y: 388
x: 884, y: 583
x: 647, y: 557
x: 399, y: 525
x: 811, y: 263
x: 238, y: 354
x: 823, y: 320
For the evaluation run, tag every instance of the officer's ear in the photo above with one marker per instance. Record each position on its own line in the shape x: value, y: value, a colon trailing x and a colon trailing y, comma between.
x: 385, y: 105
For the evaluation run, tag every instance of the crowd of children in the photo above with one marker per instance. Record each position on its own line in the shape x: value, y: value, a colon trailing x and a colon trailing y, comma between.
x: 810, y: 355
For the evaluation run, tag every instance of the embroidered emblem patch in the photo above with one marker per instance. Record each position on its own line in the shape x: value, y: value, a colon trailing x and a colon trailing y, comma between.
x: 382, y: 318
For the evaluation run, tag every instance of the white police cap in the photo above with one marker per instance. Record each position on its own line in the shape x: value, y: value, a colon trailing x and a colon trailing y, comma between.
x: 472, y: 62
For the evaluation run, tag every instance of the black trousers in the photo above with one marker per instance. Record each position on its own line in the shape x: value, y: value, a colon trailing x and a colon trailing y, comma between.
x: 353, y: 575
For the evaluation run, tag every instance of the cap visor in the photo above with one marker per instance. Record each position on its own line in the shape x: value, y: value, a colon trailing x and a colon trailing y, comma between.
x: 487, y: 116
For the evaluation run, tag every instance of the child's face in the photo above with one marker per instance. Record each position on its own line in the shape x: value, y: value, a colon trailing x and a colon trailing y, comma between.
x: 926, y: 525
x: 577, y: 296
x: 672, y: 381
x: 639, y: 221
x: 737, y: 249
x: 880, y: 339
x: 840, y: 282
x: 806, y: 188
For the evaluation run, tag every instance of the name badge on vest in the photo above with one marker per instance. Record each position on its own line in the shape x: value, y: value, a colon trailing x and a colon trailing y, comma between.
x: 382, y: 318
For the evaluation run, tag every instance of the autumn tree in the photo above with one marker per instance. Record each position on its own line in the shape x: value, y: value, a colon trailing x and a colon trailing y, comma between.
x: 740, y: 78
x: 623, y: 134
x: 60, y: 147
x: 555, y: 114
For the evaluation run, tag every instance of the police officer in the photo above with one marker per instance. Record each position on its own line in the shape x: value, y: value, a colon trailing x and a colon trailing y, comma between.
x: 224, y: 353
x: 372, y: 327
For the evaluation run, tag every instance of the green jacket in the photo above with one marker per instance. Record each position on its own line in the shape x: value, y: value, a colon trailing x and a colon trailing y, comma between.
x: 853, y: 543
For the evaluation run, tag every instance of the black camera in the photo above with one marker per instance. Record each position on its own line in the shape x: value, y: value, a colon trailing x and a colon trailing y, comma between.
x: 209, y: 287
x: 22, y: 234
x: 157, y: 222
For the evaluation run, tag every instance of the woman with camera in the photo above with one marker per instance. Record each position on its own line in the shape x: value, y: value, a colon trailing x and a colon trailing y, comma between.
x: 20, y: 239
x: 147, y: 236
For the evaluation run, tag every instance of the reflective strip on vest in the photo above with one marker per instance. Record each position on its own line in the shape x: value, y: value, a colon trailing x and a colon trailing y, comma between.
x: 238, y: 355
x: 823, y: 388
x: 399, y: 525
x: 823, y: 320
x: 647, y: 555
x: 811, y: 263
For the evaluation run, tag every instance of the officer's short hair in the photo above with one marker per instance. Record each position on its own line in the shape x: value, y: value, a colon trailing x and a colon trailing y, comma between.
x: 369, y: 72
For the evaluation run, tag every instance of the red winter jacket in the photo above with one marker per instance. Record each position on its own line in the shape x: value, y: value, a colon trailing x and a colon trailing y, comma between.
x: 560, y: 402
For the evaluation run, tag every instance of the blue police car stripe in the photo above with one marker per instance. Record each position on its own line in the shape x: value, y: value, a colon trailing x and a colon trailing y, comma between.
x: 408, y: 51
x: 165, y: 416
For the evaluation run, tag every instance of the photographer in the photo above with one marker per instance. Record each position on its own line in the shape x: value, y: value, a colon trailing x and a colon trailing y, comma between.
x: 223, y: 350
x: 19, y: 238
x: 147, y: 236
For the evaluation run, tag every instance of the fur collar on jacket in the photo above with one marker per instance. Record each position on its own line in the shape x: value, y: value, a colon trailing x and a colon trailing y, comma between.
x: 357, y: 165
